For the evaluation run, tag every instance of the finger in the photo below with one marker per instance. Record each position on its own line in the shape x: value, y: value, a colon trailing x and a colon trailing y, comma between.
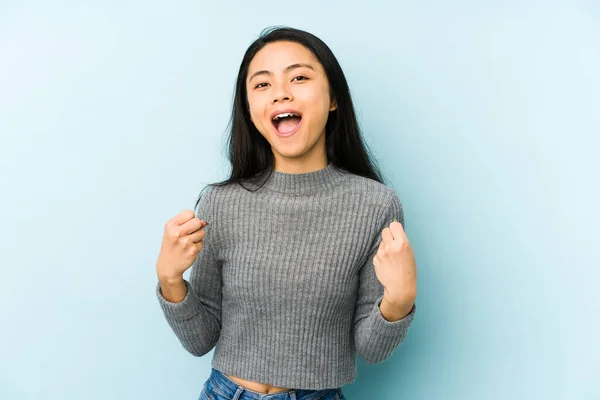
x: 191, y: 226
x: 197, y: 236
x: 182, y: 217
x: 199, y: 245
x: 381, y: 248
x: 386, y: 235
x: 397, y: 230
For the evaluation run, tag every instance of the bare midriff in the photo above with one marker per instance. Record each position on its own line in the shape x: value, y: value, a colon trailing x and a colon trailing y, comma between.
x: 256, y: 386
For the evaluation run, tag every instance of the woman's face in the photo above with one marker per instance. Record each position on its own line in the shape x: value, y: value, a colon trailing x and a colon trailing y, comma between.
x: 287, y: 76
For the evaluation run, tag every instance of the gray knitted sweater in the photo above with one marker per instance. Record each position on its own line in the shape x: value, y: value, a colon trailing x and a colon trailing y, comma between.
x: 284, y: 285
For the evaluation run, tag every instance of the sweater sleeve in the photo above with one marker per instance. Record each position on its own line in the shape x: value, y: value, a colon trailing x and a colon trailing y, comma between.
x: 196, y: 321
x: 375, y: 337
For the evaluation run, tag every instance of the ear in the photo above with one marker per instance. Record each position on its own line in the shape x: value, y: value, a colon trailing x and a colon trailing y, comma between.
x: 333, y: 105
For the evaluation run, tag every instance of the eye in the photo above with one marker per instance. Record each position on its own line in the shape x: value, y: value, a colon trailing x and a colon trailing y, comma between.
x: 301, y: 76
x: 259, y: 85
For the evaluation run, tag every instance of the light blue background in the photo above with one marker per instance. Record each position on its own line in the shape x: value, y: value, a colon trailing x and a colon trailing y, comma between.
x: 485, y: 118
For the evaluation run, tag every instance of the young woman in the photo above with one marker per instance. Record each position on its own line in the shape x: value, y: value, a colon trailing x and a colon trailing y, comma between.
x: 305, y: 262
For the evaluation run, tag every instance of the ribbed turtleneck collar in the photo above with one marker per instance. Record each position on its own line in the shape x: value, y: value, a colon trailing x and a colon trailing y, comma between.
x: 304, y: 183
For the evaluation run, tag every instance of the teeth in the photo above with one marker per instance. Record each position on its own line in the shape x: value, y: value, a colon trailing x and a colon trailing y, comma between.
x: 283, y: 115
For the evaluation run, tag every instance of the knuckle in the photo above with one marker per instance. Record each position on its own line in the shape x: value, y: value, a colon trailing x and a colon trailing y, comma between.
x: 171, y: 237
x: 193, y: 251
x: 176, y: 233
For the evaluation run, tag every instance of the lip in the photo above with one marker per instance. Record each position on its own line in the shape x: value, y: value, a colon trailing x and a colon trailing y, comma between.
x: 287, y: 110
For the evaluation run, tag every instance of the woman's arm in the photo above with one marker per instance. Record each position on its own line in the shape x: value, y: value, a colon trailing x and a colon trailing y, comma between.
x: 173, y: 290
x: 193, y: 309
x: 375, y: 337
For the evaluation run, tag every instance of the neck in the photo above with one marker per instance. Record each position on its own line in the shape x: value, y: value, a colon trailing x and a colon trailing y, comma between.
x: 300, y: 166
x: 313, y: 160
x: 304, y: 182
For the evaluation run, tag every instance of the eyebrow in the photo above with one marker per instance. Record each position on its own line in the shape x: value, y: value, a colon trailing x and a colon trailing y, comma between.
x: 286, y: 70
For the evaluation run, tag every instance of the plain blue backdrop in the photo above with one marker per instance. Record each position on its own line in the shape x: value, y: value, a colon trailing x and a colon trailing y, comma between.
x: 484, y: 117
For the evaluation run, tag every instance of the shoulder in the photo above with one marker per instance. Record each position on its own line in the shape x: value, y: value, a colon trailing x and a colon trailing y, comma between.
x: 217, y: 196
x: 375, y: 196
x: 374, y: 193
x: 209, y: 199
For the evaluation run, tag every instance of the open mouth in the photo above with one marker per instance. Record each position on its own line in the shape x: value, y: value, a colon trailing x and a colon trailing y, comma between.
x: 286, y: 123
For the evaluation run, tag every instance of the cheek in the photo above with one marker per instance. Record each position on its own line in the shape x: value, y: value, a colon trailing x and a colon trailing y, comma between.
x: 320, y: 100
x: 253, y: 105
x: 258, y: 112
x: 321, y: 109
x: 256, y: 117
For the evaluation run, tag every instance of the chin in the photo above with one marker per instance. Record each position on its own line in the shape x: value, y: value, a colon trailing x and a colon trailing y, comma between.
x: 289, y: 154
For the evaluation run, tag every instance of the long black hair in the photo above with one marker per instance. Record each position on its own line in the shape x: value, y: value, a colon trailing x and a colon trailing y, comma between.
x: 250, y: 153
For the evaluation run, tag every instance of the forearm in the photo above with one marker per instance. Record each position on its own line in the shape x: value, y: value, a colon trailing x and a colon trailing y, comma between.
x: 196, y: 325
x: 394, y: 311
x: 173, y: 289
x: 376, y: 336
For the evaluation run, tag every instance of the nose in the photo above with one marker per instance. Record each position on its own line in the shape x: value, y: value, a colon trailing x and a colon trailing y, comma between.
x: 280, y: 99
x: 281, y: 93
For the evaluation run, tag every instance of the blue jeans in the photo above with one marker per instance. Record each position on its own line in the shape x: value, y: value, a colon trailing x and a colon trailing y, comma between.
x: 220, y: 387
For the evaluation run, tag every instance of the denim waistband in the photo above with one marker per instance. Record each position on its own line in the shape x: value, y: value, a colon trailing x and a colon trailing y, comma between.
x: 234, y: 391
